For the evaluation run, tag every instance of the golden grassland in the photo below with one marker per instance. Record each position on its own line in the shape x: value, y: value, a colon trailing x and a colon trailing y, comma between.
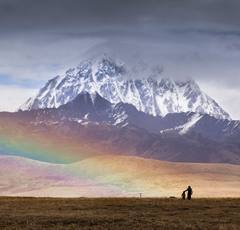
x: 118, y: 213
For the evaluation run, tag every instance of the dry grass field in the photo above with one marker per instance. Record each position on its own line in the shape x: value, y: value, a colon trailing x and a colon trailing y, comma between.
x: 118, y: 213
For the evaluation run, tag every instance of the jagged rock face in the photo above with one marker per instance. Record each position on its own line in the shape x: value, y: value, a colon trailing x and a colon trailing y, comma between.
x: 116, y: 83
x: 92, y: 108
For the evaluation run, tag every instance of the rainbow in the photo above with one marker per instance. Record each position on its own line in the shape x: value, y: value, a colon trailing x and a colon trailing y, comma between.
x: 69, y: 153
x: 43, y: 144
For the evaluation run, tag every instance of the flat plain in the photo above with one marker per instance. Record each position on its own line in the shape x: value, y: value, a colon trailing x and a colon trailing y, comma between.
x: 118, y: 213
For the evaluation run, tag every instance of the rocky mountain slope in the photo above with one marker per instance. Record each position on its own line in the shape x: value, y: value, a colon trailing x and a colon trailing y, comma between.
x: 117, y: 82
x: 87, y: 108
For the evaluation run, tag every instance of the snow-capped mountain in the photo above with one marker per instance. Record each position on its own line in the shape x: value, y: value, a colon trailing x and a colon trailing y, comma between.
x: 116, y: 82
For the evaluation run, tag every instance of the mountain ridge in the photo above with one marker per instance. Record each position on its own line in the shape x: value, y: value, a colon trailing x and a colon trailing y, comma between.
x: 94, y: 108
x: 115, y: 82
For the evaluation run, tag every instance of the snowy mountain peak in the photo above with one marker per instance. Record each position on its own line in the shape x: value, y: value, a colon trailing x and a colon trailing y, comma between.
x: 140, y: 86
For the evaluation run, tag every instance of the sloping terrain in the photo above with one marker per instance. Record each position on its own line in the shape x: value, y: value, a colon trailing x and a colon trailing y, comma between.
x: 110, y: 175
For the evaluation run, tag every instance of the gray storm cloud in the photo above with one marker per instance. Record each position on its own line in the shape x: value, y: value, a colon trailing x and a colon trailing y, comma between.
x: 86, y: 15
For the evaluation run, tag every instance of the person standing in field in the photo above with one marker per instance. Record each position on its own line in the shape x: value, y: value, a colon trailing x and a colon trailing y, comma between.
x: 189, y: 192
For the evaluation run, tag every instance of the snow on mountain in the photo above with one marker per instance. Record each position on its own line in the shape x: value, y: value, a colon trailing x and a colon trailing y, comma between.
x: 188, y: 125
x: 117, y: 82
x: 205, y: 125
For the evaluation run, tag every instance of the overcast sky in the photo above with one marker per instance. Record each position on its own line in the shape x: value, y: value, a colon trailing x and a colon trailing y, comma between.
x: 188, y: 38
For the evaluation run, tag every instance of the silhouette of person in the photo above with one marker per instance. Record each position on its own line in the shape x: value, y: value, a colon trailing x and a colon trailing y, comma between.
x: 184, y: 195
x: 189, y: 192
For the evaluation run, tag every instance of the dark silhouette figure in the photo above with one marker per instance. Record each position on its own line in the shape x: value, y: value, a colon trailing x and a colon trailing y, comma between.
x: 184, y: 195
x: 189, y: 193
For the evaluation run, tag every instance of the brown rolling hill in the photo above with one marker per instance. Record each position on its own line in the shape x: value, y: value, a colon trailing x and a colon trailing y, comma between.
x: 111, y: 175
